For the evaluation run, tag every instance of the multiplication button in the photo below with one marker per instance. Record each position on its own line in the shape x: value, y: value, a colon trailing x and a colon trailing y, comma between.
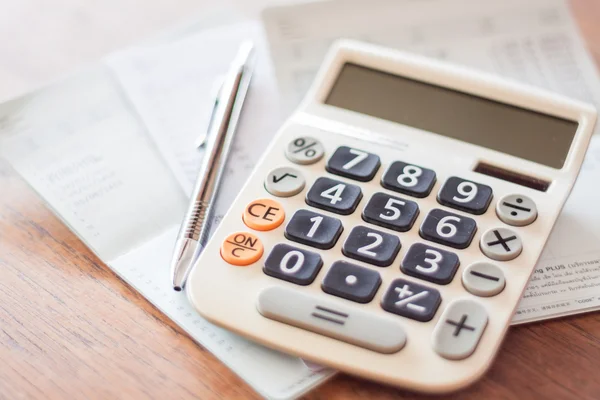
x: 516, y: 210
x: 304, y: 150
x: 501, y: 244
x: 483, y: 279
x: 293, y: 264
x: 284, y: 182
x: 351, y: 282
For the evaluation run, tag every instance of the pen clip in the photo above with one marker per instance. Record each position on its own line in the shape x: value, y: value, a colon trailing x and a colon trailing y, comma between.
x: 216, y: 94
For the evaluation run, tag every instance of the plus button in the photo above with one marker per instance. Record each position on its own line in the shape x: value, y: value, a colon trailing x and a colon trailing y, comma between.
x: 460, y: 325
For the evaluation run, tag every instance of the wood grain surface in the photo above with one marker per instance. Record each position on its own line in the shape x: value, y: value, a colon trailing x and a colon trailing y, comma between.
x: 71, y: 329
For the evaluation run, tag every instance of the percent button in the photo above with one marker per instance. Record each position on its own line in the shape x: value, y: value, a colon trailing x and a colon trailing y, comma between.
x: 304, y: 150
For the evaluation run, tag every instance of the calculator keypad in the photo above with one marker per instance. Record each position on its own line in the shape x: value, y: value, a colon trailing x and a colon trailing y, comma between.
x: 409, y: 179
x: 293, y: 264
x: 371, y: 246
x: 334, y: 196
x: 449, y: 229
x: 411, y: 300
x: 465, y: 195
x: 430, y: 263
x: 313, y: 229
x: 351, y: 282
x: 391, y: 212
x: 353, y: 163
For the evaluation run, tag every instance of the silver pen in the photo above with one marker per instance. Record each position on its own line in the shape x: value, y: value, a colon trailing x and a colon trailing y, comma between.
x: 195, y: 228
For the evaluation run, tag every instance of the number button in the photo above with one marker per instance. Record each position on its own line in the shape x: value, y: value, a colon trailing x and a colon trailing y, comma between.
x: 368, y: 245
x: 292, y: 264
x: 313, y: 229
x: 351, y: 282
x: 353, y: 164
x: 335, y: 196
x: 465, y: 195
x: 391, y: 212
x: 304, y: 150
x: 449, y: 229
x: 408, y: 179
x: 411, y: 300
x: 430, y: 264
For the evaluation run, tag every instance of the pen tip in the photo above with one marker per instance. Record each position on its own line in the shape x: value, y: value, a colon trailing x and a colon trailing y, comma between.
x: 177, y: 288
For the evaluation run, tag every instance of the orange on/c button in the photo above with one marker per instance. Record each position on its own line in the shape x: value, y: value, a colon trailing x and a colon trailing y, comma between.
x: 263, y: 215
x: 241, y: 248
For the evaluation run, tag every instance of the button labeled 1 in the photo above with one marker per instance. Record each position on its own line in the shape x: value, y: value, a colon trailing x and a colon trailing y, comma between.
x: 313, y: 229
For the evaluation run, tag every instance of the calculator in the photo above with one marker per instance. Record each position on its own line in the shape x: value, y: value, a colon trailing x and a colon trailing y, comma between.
x: 391, y: 226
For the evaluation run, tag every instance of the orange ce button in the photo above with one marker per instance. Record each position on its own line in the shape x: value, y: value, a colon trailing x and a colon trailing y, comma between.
x: 241, y: 248
x: 263, y: 215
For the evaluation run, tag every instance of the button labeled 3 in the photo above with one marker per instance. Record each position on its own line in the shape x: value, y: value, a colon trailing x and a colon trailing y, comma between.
x: 459, y: 329
x: 263, y: 215
x: 430, y: 263
x: 349, y: 324
x: 284, y: 182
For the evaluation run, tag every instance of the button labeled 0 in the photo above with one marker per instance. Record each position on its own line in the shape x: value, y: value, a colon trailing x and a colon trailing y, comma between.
x: 241, y: 249
x: 263, y: 215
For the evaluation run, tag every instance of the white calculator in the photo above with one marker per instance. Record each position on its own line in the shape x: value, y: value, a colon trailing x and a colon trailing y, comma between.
x: 392, y: 225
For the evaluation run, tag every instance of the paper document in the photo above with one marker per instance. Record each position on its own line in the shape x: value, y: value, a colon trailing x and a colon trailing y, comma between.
x: 84, y: 146
x: 533, y: 41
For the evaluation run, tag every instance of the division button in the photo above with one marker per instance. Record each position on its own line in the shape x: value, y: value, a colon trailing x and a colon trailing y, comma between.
x: 351, y: 282
x: 241, y: 249
x: 284, y: 182
x: 353, y: 163
x: 263, y: 215
x: 516, y: 210
x: 411, y: 300
x: 459, y: 329
x: 293, y: 264
x: 304, y: 150
x: 330, y: 318
x: 501, y: 244
x: 483, y: 279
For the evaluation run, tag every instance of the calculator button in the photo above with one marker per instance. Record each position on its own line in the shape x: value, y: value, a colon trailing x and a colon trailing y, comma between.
x: 516, y: 210
x: 284, y: 182
x: 329, y: 318
x: 459, y: 329
x: 351, y: 282
x: 313, y: 229
x: 430, y: 263
x: 501, y: 244
x: 465, y: 195
x: 293, y: 264
x: 449, y: 229
x: 353, y: 164
x: 335, y: 196
x: 483, y: 279
x: 241, y: 249
x: 371, y: 246
x: 411, y: 300
x: 391, y: 212
x: 304, y: 150
x: 263, y: 215
x: 408, y: 179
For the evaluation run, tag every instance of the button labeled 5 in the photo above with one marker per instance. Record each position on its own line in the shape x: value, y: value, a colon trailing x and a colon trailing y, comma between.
x: 391, y: 212
x: 263, y: 215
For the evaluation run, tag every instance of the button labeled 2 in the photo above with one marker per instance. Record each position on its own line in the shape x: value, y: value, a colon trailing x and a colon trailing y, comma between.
x: 368, y: 245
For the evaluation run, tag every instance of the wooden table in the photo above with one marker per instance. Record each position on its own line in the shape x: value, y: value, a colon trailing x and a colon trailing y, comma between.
x: 71, y: 329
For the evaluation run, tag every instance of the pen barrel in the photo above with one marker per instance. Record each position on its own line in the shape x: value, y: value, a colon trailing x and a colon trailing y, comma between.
x: 194, y: 226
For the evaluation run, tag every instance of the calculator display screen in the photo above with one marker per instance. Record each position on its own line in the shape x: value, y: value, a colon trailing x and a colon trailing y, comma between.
x: 523, y: 133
